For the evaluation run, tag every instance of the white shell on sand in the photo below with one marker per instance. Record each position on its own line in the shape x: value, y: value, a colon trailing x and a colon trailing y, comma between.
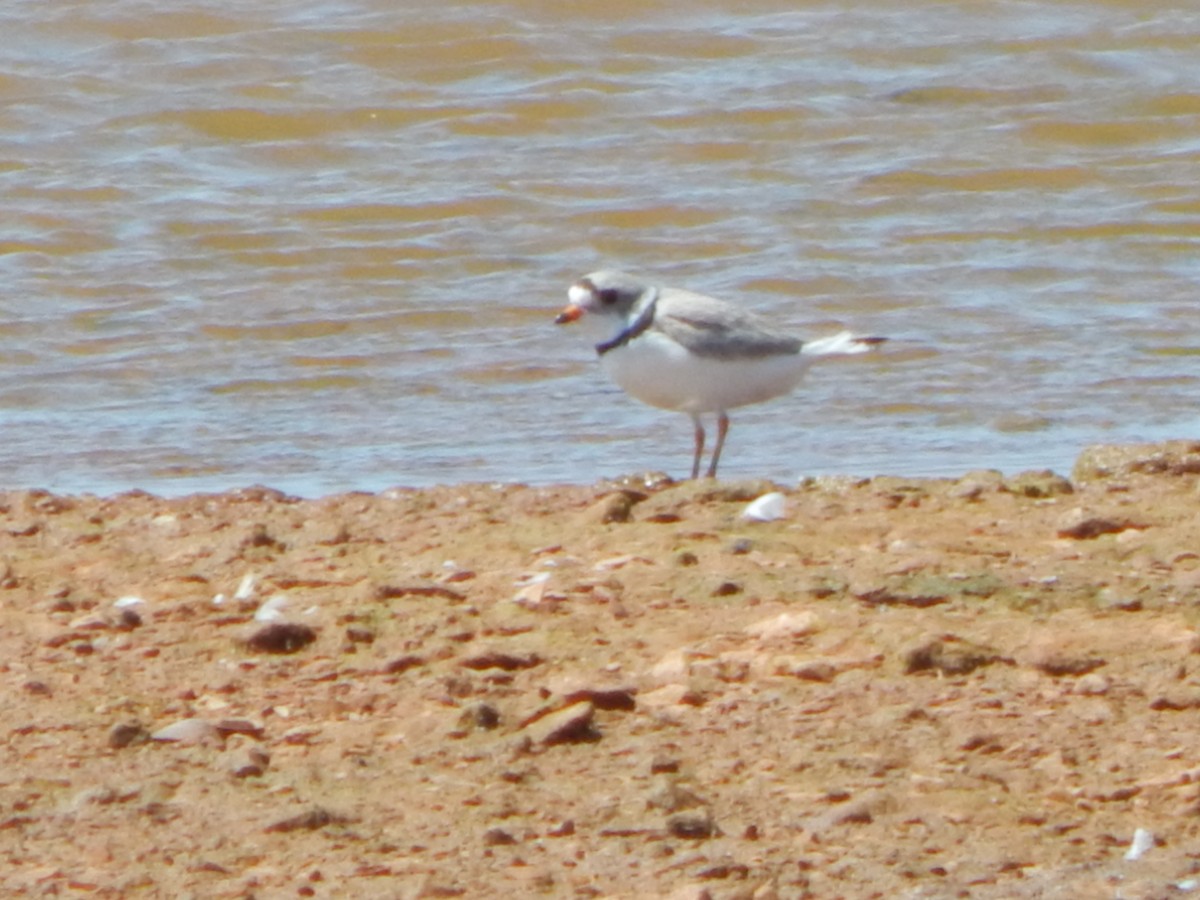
x: 1142, y: 841
x: 271, y: 609
x: 188, y: 731
x: 767, y: 508
x: 246, y: 588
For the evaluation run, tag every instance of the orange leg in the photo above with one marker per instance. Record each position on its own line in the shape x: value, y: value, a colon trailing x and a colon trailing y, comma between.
x: 722, y: 430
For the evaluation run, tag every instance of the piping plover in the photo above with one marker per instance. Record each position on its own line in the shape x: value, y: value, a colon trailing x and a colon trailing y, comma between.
x: 675, y: 349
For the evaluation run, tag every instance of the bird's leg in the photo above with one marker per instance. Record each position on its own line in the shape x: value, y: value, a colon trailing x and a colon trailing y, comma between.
x: 722, y: 430
x: 699, y: 446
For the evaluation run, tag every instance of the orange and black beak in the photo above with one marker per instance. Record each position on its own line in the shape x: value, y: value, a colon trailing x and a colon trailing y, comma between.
x: 569, y: 314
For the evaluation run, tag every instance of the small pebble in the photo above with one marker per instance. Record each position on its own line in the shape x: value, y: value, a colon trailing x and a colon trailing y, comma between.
x: 248, y: 762
x: 697, y: 826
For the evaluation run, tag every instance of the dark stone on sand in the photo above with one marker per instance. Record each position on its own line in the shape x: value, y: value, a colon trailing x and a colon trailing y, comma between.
x: 498, y: 837
x: 482, y: 715
x: 497, y: 659
x: 1059, y: 664
x: 696, y: 826
x: 395, y: 591
x: 571, y: 725
x: 127, y: 734
x: 950, y: 655
x: 615, y: 508
x: 402, y: 664
x: 312, y: 820
x: 281, y: 637
x: 619, y: 698
x: 1087, y: 529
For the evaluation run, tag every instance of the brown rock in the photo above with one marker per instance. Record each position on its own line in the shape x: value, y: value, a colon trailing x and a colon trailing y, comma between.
x: 696, y: 826
x: 617, y: 507
x: 1038, y: 485
x: 247, y: 762
x: 393, y: 592
x: 281, y: 637
x: 976, y: 484
x: 571, y: 725
x: 310, y: 820
x: 621, y: 698
x: 127, y: 734
x: 1080, y: 526
x: 1060, y: 661
x: 402, y: 664
x: 904, y: 592
x: 499, y: 659
x: 498, y: 837
x: 949, y: 655
x: 479, y: 716
x: 239, y: 726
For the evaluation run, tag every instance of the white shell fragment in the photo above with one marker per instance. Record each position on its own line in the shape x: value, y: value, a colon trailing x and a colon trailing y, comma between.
x: 1142, y: 841
x: 767, y: 508
x: 246, y: 588
x: 532, y: 589
x: 188, y: 731
x: 128, y: 602
x: 271, y: 609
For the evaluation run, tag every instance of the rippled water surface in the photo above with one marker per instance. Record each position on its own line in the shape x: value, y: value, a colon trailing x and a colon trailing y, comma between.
x: 319, y: 245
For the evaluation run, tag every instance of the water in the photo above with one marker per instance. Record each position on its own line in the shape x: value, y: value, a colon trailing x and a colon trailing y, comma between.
x: 320, y: 245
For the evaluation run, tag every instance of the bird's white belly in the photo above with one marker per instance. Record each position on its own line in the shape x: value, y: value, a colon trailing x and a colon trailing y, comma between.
x: 662, y: 373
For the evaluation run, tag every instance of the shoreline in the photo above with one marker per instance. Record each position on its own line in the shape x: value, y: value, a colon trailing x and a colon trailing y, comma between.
x: 910, y: 686
x: 1115, y: 455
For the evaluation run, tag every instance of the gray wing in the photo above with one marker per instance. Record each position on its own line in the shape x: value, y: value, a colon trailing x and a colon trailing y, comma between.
x: 712, y: 328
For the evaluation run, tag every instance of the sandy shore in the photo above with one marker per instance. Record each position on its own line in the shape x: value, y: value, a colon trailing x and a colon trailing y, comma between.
x: 974, y: 687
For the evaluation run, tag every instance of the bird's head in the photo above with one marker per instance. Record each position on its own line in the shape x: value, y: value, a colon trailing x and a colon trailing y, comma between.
x: 605, y: 293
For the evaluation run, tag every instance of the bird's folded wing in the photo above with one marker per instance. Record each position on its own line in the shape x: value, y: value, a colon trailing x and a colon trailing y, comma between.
x: 710, y: 328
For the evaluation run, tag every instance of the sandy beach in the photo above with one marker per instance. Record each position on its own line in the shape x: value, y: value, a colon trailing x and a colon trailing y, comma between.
x: 974, y: 687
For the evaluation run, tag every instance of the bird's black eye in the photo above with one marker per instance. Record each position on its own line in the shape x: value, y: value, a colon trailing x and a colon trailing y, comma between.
x: 608, y: 297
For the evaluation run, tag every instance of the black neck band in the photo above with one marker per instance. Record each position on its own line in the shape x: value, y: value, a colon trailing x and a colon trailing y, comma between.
x: 644, y: 320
